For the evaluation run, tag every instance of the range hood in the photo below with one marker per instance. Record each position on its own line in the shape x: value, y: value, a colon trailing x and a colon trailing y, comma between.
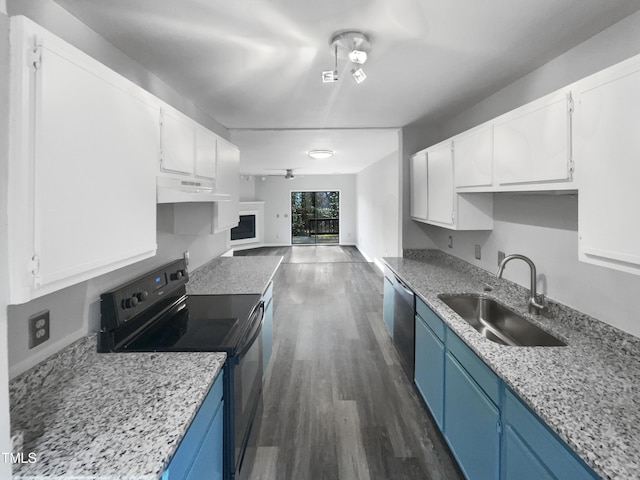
x: 177, y: 190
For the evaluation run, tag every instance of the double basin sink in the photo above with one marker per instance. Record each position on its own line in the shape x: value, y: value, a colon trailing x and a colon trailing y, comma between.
x: 498, y: 323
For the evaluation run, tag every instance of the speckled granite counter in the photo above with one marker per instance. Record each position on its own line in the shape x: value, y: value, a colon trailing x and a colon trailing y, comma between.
x: 233, y: 275
x: 89, y: 415
x: 588, y: 392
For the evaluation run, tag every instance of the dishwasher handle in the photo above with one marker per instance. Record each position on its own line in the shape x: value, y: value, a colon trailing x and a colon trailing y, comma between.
x: 403, y: 286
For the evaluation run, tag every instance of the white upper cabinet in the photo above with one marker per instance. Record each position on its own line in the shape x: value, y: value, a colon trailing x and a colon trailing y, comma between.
x: 84, y: 145
x: 607, y: 152
x: 433, y: 196
x: 418, y: 175
x: 440, y: 192
x: 473, y: 155
x: 532, y: 144
x: 226, y: 214
x: 178, y: 142
x: 205, y: 147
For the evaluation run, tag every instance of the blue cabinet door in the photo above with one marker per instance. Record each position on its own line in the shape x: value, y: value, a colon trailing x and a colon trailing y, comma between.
x: 533, y: 436
x: 200, y: 440
x: 387, y: 307
x: 208, y: 462
x: 429, y: 369
x: 267, y: 329
x: 470, y: 423
x: 518, y: 461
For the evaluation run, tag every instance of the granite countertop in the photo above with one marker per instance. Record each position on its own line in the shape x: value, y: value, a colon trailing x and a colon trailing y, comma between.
x: 89, y: 415
x: 587, y: 392
x: 233, y: 275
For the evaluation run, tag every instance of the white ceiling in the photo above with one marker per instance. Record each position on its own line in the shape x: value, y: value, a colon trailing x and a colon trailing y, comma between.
x: 256, y: 64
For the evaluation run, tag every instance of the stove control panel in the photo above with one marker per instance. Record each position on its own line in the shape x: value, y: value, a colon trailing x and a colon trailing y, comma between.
x: 140, y: 295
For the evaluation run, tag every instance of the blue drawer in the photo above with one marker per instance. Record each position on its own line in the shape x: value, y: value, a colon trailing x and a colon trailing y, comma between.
x: 430, y: 318
x: 483, y: 375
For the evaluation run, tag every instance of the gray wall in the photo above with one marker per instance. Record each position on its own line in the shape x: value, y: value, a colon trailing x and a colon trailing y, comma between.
x: 275, y: 191
x: 74, y: 311
x: 543, y: 227
x: 378, y: 209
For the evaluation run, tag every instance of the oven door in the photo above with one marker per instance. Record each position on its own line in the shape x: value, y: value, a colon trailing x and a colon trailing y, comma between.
x: 247, y: 388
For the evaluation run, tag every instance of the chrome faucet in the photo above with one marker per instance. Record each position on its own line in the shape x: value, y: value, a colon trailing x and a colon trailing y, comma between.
x: 534, y: 306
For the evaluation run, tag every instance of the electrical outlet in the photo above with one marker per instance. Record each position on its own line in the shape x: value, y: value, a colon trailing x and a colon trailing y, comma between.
x: 186, y: 257
x: 450, y: 241
x: 38, y: 328
x: 478, y: 252
x: 501, y: 256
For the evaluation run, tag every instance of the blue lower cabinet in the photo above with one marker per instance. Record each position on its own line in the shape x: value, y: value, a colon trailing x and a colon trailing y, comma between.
x: 530, y: 444
x: 387, y: 306
x: 471, y: 424
x: 267, y: 329
x: 429, y: 369
x: 200, y: 452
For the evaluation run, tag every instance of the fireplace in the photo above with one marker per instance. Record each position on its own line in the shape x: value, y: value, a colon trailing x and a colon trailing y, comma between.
x: 246, y: 228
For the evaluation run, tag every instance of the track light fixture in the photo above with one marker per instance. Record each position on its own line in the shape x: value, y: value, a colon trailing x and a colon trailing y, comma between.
x: 354, y: 46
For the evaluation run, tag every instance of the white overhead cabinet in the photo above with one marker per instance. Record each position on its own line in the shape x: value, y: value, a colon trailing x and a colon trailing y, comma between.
x: 178, y: 142
x: 84, y: 145
x: 205, y: 151
x: 607, y: 137
x: 473, y: 157
x: 418, y: 174
x: 532, y: 144
x: 440, y: 193
x: 444, y: 207
x: 226, y: 214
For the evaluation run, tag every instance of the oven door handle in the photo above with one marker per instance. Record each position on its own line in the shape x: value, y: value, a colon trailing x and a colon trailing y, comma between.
x: 257, y: 327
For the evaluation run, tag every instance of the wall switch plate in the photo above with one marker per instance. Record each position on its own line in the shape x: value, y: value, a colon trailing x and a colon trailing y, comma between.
x: 38, y: 328
x: 478, y: 252
x: 186, y: 257
x: 501, y: 256
x: 450, y: 241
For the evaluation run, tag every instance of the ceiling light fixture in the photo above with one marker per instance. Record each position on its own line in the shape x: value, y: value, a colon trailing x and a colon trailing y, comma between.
x: 354, y: 46
x: 320, y: 154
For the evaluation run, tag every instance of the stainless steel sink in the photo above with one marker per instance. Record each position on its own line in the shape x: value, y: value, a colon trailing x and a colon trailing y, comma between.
x: 498, y: 323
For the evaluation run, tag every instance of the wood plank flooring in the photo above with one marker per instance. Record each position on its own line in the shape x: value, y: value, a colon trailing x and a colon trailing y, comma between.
x: 309, y: 253
x: 336, y: 403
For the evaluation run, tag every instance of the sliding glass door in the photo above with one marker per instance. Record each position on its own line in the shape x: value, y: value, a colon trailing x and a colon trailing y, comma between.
x: 315, y: 217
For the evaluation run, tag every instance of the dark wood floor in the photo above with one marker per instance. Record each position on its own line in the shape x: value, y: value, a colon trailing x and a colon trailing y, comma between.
x: 337, y: 405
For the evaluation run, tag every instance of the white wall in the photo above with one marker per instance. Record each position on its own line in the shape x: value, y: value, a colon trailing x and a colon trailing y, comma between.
x: 74, y: 311
x: 541, y: 226
x: 275, y: 191
x: 247, y: 187
x: 379, y: 210
x: 5, y: 443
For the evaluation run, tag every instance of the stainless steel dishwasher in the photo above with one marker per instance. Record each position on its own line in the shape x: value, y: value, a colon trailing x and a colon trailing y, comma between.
x: 404, y: 327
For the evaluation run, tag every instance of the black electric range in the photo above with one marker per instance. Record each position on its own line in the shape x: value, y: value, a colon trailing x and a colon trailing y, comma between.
x: 153, y: 313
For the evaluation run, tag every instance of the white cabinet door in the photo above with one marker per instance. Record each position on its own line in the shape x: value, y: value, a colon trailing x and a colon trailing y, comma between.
x: 533, y: 145
x: 440, y: 194
x: 418, y: 174
x: 608, y: 156
x: 205, y: 153
x: 86, y: 204
x: 226, y: 214
x: 473, y: 157
x: 178, y: 142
